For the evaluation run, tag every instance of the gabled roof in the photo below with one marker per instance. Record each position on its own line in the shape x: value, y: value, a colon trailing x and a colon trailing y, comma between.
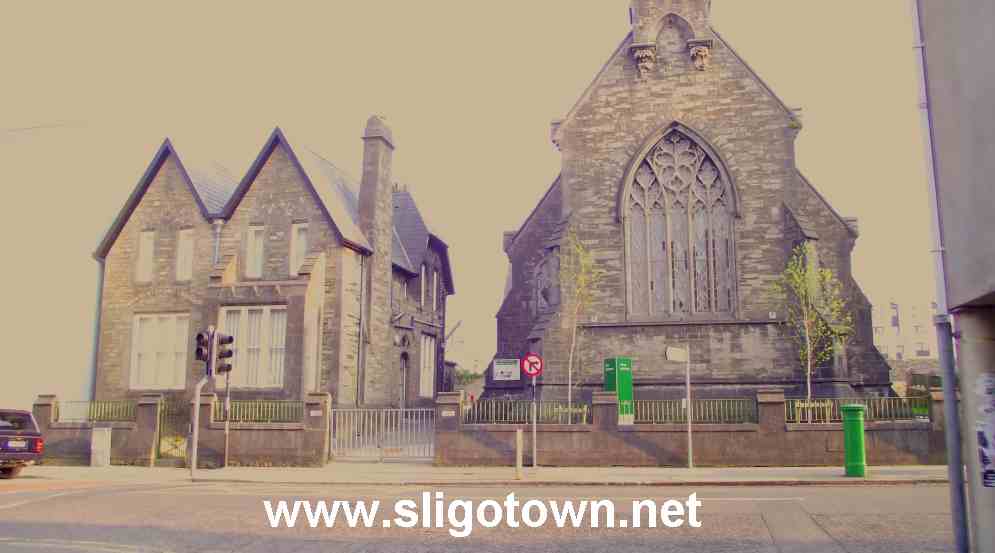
x: 416, y: 236
x: 209, y: 185
x: 525, y: 223
x: 806, y: 227
x: 217, y: 195
x: 326, y: 182
x: 344, y: 188
x: 624, y: 47
x: 849, y: 228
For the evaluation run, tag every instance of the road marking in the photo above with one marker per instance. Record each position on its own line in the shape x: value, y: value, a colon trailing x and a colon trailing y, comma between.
x: 38, y: 499
x: 87, y: 546
x: 703, y: 499
x: 76, y: 492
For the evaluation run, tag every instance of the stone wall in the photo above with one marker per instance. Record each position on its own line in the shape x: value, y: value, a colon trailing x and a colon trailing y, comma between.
x: 68, y: 443
x: 770, y: 442
x: 305, y: 443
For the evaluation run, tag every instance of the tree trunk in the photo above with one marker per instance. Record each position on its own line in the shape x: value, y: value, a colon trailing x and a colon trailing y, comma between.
x: 808, y: 374
x: 570, y: 365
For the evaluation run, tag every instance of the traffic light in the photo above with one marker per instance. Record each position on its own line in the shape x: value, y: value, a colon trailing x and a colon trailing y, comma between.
x: 224, y: 353
x: 204, y: 346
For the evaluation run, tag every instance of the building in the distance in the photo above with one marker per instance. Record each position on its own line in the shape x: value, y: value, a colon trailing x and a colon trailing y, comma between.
x: 327, y: 286
x: 905, y: 331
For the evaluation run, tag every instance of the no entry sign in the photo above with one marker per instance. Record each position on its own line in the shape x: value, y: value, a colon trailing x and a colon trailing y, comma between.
x: 532, y: 365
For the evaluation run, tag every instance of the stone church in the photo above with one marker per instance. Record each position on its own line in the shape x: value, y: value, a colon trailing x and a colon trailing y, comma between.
x: 678, y: 174
x: 327, y: 286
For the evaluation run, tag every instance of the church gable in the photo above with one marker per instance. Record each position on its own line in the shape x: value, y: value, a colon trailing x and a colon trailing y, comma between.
x: 671, y: 61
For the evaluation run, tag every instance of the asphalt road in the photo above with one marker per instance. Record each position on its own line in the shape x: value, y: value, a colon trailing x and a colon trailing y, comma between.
x: 38, y: 515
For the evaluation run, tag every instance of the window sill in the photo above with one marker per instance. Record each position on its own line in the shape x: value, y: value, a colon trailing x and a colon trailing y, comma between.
x: 680, y: 322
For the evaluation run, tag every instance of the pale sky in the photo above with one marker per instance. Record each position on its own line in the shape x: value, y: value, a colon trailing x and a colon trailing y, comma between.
x: 89, y: 91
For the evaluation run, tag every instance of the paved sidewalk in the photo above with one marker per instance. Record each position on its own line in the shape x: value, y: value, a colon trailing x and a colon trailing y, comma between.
x: 397, y: 474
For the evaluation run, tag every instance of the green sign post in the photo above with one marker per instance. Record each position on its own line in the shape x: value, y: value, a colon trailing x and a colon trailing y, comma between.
x: 618, y: 379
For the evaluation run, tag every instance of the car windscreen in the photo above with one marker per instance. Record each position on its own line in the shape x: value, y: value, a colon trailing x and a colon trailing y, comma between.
x: 16, y: 422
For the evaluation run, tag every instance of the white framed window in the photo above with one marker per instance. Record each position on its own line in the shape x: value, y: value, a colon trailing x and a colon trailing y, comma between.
x: 159, y: 351
x: 424, y: 285
x: 435, y: 290
x: 146, y: 256
x: 298, y: 247
x: 426, y: 378
x: 254, y: 242
x: 260, y: 347
x: 184, y: 255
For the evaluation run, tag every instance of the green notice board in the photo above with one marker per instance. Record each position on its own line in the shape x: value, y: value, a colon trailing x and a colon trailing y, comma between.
x: 618, y: 379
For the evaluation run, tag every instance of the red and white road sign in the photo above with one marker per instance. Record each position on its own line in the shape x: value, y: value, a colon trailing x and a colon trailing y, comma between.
x: 532, y: 365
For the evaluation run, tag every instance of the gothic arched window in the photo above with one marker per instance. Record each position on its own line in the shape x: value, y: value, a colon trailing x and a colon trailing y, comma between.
x: 678, y: 213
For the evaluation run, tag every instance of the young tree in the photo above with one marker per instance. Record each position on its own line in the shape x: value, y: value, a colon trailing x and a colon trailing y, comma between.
x: 816, y: 310
x: 580, y: 276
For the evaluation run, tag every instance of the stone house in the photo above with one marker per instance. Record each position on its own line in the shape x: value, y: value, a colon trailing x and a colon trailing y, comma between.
x: 326, y: 287
x: 678, y: 175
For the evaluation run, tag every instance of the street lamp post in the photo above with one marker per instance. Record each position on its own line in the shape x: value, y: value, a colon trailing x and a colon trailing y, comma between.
x: 684, y: 354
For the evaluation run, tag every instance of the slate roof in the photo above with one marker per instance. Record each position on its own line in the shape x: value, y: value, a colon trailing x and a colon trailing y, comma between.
x: 417, y: 236
x: 218, y: 193
x: 213, y: 182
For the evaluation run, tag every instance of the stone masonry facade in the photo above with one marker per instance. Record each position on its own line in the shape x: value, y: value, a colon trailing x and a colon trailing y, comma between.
x: 674, y: 83
x: 346, y: 318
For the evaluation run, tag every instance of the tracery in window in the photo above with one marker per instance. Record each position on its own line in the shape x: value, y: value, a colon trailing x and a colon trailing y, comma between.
x: 679, y: 226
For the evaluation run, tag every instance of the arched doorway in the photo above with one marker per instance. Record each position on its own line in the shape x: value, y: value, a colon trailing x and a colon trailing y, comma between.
x: 403, y: 388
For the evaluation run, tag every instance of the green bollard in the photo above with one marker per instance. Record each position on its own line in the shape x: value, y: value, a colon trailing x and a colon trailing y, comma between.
x: 853, y: 440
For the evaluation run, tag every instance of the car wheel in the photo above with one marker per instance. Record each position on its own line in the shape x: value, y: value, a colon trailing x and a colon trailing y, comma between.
x: 10, y: 472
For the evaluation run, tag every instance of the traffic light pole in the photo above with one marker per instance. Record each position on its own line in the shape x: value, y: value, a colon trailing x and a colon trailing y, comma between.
x: 195, y: 404
x: 195, y: 417
x: 227, y: 412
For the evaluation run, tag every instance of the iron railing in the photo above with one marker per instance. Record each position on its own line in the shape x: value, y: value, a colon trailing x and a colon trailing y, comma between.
x: 96, y: 411
x: 515, y: 411
x: 824, y: 410
x: 261, y: 411
x: 383, y: 433
x: 704, y: 411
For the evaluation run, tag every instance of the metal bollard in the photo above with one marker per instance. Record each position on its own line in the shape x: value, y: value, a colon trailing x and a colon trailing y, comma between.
x: 519, y: 445
x: 853, y: 440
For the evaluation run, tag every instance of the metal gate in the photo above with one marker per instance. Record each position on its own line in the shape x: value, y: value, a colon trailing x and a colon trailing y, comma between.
x: 379, y: 434
x: 174, y: 426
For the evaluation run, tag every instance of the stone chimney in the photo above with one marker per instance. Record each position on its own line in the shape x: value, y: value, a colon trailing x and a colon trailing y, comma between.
x: 376, y: 220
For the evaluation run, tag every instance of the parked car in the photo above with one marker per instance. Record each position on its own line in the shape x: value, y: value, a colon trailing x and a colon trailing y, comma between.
x: 21, y: 443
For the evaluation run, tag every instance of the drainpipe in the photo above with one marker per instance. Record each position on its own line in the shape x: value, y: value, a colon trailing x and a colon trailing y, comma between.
x: 217, y: 224
x: 360, y: 358
x: 96, y: 329
x: 944, y: 331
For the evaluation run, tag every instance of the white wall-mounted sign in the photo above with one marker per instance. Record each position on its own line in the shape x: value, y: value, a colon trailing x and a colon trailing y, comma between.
x: 506, y: 370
